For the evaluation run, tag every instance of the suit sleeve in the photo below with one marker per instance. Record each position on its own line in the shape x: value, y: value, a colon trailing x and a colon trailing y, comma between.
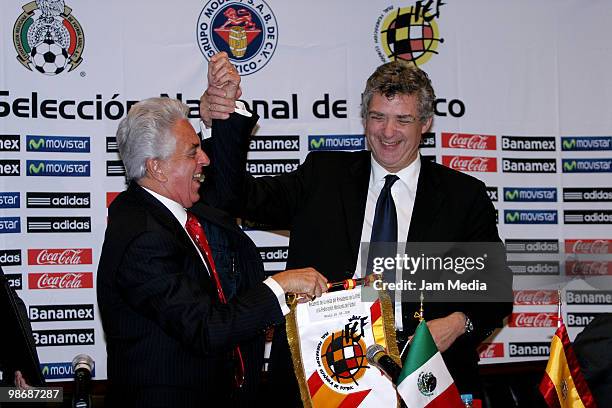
x: 152, y: 280
x: 269, y: 199
x: 481, y: 227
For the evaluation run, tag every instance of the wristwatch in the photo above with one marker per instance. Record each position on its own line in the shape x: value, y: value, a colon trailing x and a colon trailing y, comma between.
x: 469, y: 326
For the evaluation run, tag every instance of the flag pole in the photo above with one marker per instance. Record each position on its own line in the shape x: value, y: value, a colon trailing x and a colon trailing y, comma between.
x: 559, y: 315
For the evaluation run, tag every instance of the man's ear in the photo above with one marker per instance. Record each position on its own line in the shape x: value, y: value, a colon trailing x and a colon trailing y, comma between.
x: 427, y: 125
x: 155, y: 170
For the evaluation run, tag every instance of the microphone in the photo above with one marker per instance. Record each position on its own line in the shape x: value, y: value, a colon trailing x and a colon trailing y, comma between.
x: 82, y: 366
x: 377, y: 357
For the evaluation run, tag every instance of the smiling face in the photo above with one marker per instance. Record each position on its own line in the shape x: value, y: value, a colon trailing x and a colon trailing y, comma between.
x: 394, y: 131
x: 182, y: 170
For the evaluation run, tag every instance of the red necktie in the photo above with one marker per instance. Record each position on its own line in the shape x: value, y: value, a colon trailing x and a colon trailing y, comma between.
x: 196, y: 232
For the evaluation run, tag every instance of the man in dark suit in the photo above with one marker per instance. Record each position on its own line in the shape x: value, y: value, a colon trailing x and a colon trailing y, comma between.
x: 181, y: 295
x: 329, y: 205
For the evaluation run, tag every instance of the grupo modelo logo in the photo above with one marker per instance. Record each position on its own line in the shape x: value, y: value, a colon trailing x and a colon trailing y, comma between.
x: 530, y: 216
x: 584, y: 143
x: 58, y: 168
x: 58, y: 224
x: 48, y: 37
x: 535, y: 297
x: 586, y: 165
x: 490, y: 350
x: 533, y: 319
x: 336, y: 142
x: 408, y: 33
x: 470, y: 163
x: 529, y: 349
x: 57, y: 144
x: 530, y: 246
x: 60, y: 370
x: 67, y: 337
x: 274, y: 143
x: 60, y: 256
x: 512, y: 165
x: 10, y: 257
x: 9, y: 199
x: 587, y: 216
x: 247, y: 31
x: 9, y: 143
x: 10, y: 225
x: 588, y: 246
x: 468, y: 141
x: 271, y: 167
x: 526, y: 194
x: 57, y: 200
x: 60, y: 313
x: 587, y: 194
x: 534, y: 267
x: 60, y: 280
x: 10, y: 167
x: 529, y: 143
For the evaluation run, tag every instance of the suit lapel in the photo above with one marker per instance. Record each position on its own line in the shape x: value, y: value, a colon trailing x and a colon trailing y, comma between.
x: 427, y: 203
x: 354, y: 193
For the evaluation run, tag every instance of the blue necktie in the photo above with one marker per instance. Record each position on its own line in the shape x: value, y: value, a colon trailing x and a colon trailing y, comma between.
x: 384, y: 227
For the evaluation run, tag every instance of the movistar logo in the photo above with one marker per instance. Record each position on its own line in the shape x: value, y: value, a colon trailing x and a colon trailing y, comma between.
x: 336, y: 142
x: 34, y: 169
x: 317, y: 144
x: 512, y: 217
x: 569, y: 165
x: 569, y: 144
x: 512, y: 195
x: 35, y: 144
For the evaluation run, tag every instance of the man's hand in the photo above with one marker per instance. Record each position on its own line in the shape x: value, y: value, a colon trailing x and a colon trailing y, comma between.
x: 219, y: 99
x: 446, y: 329
x: 20, y: 382
x: 305, y: 281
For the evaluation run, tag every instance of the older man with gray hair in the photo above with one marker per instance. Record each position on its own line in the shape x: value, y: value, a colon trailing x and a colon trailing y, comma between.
x: 180, y: 287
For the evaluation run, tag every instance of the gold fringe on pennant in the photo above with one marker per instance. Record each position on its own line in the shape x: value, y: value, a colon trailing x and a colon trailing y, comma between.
x: 293, y: 338
x: 389, y: 326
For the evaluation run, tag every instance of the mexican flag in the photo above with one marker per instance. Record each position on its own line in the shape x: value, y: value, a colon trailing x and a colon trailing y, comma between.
x: 425, y: 380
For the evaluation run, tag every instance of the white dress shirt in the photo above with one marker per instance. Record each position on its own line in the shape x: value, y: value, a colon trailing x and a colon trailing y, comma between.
x: 403, y: 192
x: 181, y: 215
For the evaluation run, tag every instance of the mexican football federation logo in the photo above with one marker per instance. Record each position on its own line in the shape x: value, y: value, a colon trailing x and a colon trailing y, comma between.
x: 341, y: 355
x: 408, y: 33
x: 48, y: 38
x: 247, y: 32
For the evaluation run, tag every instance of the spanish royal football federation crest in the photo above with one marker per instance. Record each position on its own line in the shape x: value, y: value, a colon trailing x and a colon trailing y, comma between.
x: 247, y: 32
x: 408, y: 33
x: 48, y: 38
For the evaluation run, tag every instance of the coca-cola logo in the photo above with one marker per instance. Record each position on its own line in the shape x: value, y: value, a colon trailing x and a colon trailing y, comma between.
x: 468, y: 141
x: 468, y: 163
x: 60, y: 256
x: 60, y: 280
x: 491, y: 350
x: 590, y: 268
x: 543, y: 319
x: 536, y: 297
x: 588, y: 246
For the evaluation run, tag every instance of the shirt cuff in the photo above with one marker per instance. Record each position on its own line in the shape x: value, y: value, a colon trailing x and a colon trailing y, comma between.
x: 280, y: 294
x: 240, y: 109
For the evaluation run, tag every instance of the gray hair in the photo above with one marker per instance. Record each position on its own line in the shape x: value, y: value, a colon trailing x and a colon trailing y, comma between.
x: 400, y: 77
x: 145, y: 133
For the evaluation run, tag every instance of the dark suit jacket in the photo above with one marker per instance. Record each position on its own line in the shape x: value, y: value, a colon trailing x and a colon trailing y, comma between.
x: 168, y: 337
x: 323, y: 204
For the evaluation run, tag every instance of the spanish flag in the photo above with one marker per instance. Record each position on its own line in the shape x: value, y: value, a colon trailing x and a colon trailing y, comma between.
x: 563, y: 384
